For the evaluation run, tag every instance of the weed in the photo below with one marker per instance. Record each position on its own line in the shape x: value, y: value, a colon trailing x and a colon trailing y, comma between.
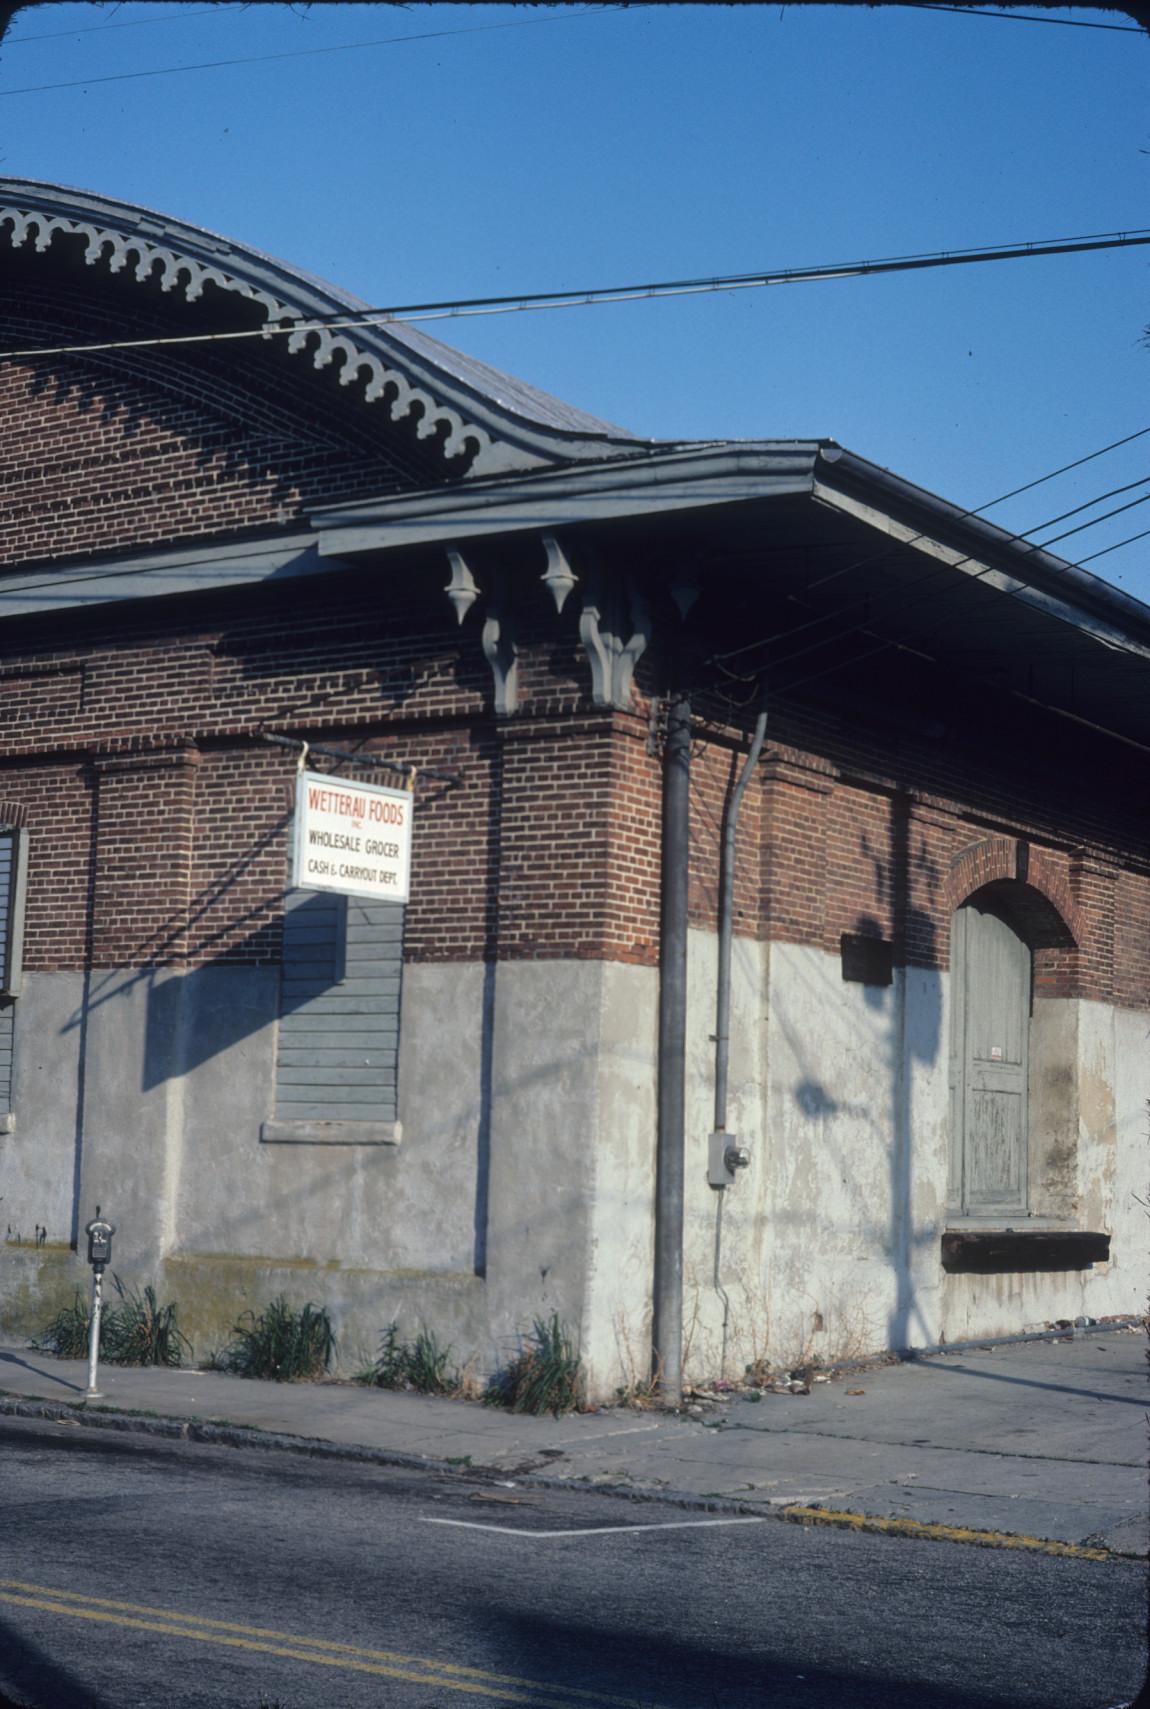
x: 140, y: 1331
x: 546, y: 1376
x: 281, y: 1344
x: 68, y: 1333
x: 422, y: 1364
x: 642, y: 1387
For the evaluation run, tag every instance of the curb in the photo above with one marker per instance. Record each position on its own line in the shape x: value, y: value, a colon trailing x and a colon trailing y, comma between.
x: 846, y: 1521
x: 319, y: 1447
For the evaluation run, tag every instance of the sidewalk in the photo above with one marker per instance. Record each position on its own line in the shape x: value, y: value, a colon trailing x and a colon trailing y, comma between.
x: 1041, y: 1439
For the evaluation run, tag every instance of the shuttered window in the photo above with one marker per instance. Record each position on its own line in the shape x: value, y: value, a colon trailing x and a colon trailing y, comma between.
x: 13, y: 873
x: 338, y: 1050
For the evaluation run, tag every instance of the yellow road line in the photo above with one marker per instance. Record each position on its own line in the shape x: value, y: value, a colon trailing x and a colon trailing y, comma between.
x: 940, y: 1533
x: 324, y: 1652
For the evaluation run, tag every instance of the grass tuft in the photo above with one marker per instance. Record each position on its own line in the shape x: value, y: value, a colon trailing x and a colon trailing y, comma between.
x: 68, y: 1333
x: 422, y: 1364
x: 280, y: 1344
x: 138, y: 1331
x: 545, y: 1376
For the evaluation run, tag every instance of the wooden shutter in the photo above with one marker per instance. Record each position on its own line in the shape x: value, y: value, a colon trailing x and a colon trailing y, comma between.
x: 13, y: 879
x: 338, y: 1049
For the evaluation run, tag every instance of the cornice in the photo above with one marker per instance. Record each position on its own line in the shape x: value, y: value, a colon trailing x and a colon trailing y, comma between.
x: 476, y: 433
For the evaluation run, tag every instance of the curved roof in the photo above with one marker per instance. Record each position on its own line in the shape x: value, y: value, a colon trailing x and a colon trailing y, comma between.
x: 492, y: 422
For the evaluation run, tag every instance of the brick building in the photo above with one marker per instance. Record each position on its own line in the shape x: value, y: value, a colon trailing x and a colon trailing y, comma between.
x: 499, y: 1101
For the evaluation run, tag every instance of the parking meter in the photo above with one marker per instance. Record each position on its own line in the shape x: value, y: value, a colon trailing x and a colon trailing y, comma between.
x: 99, y: 1234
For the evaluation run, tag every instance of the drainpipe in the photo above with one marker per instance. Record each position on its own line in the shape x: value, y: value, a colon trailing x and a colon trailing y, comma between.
x: 667, y: 1327
x: 726, y: 1155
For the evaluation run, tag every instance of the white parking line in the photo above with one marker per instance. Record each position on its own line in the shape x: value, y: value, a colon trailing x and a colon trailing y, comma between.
x: 589, y: 1530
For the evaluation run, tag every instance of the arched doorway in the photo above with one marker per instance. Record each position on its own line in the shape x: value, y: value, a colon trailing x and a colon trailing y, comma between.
x: 991, y: 989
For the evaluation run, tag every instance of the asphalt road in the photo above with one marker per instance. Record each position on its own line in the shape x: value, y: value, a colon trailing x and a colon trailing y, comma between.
x: 137, y: 1573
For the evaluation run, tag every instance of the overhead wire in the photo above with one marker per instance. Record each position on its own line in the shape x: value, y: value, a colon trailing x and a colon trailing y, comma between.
x: 1129, y: 541
x: 11, y: 40
x: 925, y: 585
x: 1105, y: 517
x: 594, y: 296
x: 309, y: 52
x: 1020, y: 17
x: 991, y: 504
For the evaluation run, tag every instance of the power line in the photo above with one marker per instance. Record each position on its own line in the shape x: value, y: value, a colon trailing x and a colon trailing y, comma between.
x: 991, y: 504
x: 337, y: 320
x: 1143, y: 480
x: 308, y: 52
x: 900, y: 599
x: 1021, y: 17
x: 98, y: 29
x: 1129, y: 540
x: 1106, y: 515
x: 925, y: 588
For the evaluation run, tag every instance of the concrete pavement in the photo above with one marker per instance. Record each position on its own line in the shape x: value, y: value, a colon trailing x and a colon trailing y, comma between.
x: 1040, y: 1439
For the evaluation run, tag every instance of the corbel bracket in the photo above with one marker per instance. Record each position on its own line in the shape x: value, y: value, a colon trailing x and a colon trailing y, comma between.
x: 614, y: 627
x: 497, y: 637
x: 462, y: 590
x: 501, y: 653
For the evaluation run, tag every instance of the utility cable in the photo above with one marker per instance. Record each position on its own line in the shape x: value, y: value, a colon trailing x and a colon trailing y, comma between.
x: 1106, y: 515
x: 1021, y: 17
x: 99, y: 29
x: 1142, y: 481
x: 925, y: 587
x: 336, y: 320
x: 1129, y: 541
x: 308, y: 52
x: 1015, y: 492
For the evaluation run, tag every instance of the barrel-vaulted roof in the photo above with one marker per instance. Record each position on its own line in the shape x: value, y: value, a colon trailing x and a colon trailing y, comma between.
x: 486, y: 422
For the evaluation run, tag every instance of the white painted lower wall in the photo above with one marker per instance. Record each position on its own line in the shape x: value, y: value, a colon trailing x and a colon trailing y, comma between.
x: 524, y: 1182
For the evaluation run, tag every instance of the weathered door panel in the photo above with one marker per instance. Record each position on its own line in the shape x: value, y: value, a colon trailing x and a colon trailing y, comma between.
x: 989, y: 1064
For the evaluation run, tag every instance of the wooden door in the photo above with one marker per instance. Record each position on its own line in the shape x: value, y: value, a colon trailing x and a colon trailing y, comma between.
x: 992, y: 994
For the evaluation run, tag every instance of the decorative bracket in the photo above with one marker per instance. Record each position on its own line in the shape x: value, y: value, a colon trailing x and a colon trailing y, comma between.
x: 559, y: 577
x: 502, y: 654
x: 615, y: 627
x: 462, y: 590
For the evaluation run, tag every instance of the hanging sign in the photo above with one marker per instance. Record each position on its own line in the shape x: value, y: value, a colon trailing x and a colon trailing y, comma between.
x: 352, y: 837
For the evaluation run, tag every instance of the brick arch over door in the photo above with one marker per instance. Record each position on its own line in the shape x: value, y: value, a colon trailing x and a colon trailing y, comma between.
x: 1026, y: 883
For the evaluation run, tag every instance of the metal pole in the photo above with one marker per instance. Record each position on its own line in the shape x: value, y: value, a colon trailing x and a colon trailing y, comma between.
x: 667, y: 1328
x: 92, y: 1392
x: 726, y: 921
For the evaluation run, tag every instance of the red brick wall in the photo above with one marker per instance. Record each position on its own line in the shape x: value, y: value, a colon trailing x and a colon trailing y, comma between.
x: 549, y: 844
x: 157, y: 446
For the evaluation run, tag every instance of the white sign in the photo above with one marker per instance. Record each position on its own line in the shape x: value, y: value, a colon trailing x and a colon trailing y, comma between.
x: 352, y: 837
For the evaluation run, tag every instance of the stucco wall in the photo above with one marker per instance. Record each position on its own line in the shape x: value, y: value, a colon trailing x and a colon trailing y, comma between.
x: 522, y: 1184
x: 524, y: 1181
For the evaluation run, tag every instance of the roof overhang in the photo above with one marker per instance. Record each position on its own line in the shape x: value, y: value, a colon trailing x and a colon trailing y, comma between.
x: 909, y: 571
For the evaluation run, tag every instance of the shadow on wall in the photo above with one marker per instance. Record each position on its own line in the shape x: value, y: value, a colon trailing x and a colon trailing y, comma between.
x: 907, y: 886
x: 194, y: 1016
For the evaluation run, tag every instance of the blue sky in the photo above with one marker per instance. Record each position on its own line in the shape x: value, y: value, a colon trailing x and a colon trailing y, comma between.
x: 630, y: 145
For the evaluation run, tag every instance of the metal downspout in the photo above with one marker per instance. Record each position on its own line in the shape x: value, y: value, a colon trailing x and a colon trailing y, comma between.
x: 667, y: 1325
x: 723, y: 998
